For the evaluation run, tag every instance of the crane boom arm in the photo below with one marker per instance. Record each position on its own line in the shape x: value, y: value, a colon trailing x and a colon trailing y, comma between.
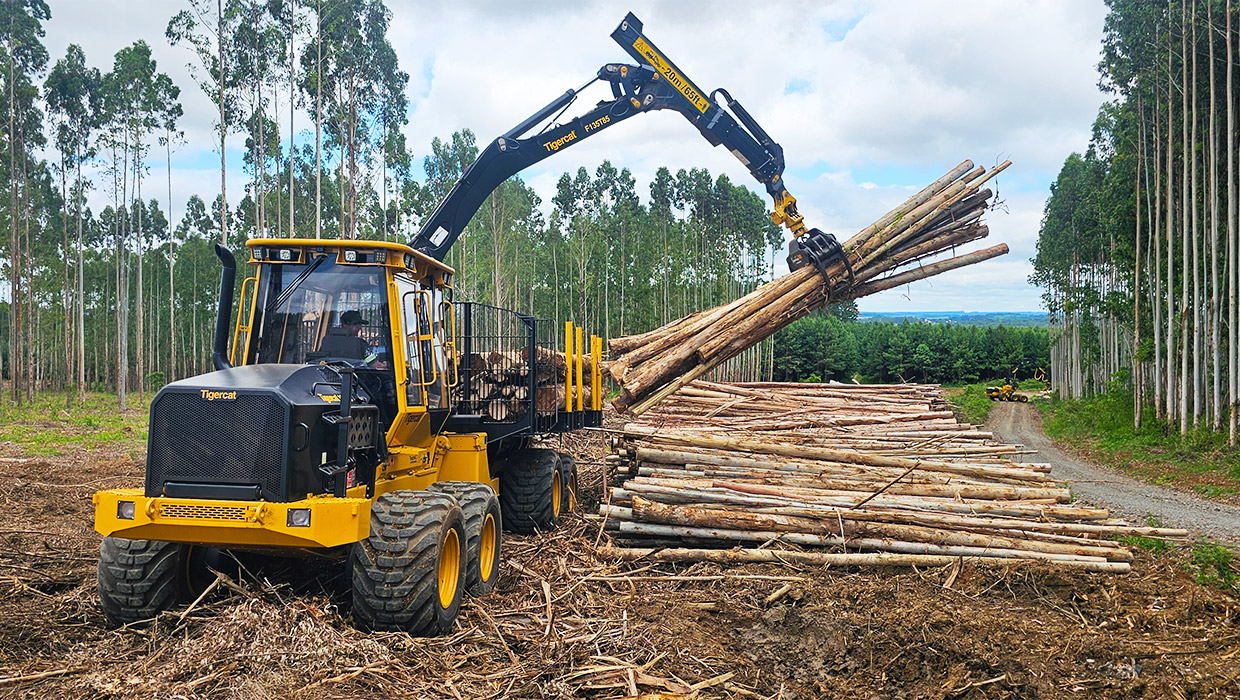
x: 654, y: 83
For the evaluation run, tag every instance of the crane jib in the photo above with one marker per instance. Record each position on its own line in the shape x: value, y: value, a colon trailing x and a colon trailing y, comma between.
x: 668, y: 70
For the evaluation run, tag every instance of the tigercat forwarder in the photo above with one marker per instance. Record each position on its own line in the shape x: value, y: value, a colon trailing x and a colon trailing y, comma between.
x: 365, y: 415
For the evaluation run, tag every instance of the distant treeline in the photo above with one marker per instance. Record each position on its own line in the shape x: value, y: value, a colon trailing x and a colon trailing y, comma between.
x: 827, y: 347
x: 1020, y: 319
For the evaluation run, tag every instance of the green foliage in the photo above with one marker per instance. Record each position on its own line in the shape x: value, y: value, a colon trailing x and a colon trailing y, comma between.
x: 971, y: 403
x: 1103, y: 426
x: 1211, y: 566
x: 1152, y: 544
x: 926, y: 352
x: 46, y: 427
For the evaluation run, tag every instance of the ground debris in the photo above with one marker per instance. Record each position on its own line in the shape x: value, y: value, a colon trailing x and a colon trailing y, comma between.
x: 616, y: 630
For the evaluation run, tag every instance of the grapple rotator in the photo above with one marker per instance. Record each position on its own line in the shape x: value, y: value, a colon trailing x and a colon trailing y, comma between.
x: 820, y: 249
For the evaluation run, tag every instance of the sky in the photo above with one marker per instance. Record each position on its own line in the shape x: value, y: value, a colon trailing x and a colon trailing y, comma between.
x: 870, y: 99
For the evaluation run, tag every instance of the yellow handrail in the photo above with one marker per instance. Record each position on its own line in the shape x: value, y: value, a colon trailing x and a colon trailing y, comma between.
x: 568, y: 363
x: 596, y: 383
x: 232, y: 356
x: 580, y: 393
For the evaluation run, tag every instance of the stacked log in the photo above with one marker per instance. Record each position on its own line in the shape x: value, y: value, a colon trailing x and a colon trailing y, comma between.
x: 857, y: 474
x: 500, y: 384
x: 651, y: 366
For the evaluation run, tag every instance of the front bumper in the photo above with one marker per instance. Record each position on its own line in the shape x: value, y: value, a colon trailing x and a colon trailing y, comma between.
x: 333, y: 521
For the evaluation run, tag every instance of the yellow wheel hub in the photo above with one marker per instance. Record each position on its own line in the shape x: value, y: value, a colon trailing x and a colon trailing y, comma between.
x: 556, y: 491
x: 486, y: 554
x: 449, y: 568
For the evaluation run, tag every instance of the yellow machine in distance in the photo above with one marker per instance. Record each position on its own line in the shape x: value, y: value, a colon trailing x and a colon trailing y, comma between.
x: 1008, y: 391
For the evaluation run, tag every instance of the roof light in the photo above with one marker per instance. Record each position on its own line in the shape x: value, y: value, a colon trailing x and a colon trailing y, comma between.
x: 258, y: 253
x: 381, y: 256
x: 350, y: 256
x: 286, y: 254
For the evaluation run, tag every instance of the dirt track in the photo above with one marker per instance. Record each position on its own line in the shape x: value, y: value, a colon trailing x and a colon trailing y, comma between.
x: 1123, y: 495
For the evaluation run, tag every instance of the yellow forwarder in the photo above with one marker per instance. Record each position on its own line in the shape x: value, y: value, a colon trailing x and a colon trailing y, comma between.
x: 366, y: 415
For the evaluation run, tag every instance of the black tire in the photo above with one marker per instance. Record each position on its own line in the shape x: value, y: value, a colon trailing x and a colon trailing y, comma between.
x: 409, y: 575
x: 1024, y: 399
x: 138, y: 579
x: 530, y: 491
x: 483, y: 524
x: 568, y: 482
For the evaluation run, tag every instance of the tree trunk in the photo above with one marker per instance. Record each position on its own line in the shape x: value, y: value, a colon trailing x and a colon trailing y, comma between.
x: 1137, y: 395
x: 221, y: 79
x: 318, y: 125
x: 1233, y: 334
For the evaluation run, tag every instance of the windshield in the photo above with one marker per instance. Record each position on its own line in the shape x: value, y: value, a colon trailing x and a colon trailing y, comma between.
x: 320, y: 310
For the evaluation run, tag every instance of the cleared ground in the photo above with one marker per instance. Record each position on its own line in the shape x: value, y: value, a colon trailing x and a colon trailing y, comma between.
x: 565, y: 624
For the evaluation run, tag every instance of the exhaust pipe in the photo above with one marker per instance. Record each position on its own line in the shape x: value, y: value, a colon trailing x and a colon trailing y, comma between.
x: 228, y: 276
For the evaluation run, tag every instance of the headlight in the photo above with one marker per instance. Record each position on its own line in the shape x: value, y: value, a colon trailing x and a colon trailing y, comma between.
x: 299, y: 517
x: 124, y: 510
x: 350, y: 256
x: 286, y: 255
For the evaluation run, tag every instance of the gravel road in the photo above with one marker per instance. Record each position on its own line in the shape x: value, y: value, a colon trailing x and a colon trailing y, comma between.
x: 1122, y: 495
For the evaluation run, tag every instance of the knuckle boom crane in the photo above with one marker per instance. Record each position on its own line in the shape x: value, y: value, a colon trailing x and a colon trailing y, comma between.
x: 356, y: 419
x: 654, y: 83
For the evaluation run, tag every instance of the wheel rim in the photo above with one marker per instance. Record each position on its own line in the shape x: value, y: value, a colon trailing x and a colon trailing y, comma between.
x: 556, y: 490
x: 449, y: 568
x: 486, y: 556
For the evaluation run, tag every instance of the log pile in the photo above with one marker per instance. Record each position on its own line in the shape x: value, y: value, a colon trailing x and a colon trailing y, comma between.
x: 857, y: 475
x: 500, y: 382
x: 651, y: 366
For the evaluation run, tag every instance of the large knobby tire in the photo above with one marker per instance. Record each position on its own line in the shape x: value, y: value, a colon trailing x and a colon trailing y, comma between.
x: 530, y: 491
x: 138, y: 579
x: 568, y: 482
x: 409, y: 575
x: 480, y: 509
x: 1024, y: 398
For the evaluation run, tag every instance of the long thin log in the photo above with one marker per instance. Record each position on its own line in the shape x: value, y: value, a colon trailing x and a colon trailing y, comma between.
x: 784, y: 556
x: 652, y: 512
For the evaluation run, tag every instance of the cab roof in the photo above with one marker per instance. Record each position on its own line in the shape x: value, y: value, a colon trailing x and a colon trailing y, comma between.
x: 396, y: 255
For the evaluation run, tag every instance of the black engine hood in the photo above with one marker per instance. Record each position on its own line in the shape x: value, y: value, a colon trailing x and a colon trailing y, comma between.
x: 296, y: 384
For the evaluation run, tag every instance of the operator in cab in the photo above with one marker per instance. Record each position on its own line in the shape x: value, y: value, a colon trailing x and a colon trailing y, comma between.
x: 345, y: 340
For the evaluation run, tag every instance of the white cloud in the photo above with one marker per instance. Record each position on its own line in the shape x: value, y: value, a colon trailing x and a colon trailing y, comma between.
x: 884, y: 96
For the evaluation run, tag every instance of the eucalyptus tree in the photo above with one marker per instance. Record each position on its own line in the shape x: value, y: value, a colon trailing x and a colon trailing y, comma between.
x: 138, y: 99
x: 209, y: 29
x: 21, y: 34
x: 72, y: 94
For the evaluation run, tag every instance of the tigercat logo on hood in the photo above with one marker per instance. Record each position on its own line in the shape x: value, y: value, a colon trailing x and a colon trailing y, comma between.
x: 209, y: 395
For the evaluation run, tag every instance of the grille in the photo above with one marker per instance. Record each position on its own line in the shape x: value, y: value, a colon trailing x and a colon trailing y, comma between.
x: 172, y: 510
x: 216, y: 442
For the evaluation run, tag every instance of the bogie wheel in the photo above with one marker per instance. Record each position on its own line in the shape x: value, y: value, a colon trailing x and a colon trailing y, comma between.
x: 531, y: 492
x: 480, y: 509
x: 409, y: 575
x: 138, y: 579
x: 568, y: 482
